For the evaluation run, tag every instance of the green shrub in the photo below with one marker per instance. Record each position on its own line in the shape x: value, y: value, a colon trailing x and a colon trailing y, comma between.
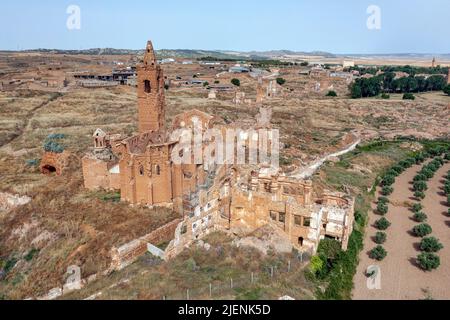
x: 383, y: 199
x: 382, y: 208
x: 430, y: 244
x: 52, y: 146
x: 31, y: 254
x: 420, y: 177
x: 316, y: 265
x: 428, y: 261
x: 380, y: 237
x: 447, y: 188
x: 343, y: 270
x: 422, y: 230
x: 388, y: 180
x: 417, y: 207
x: 385, y: 96
x: 378, y: 253
x: 281, y: 81
x: 409, y: 96
x: 420, y: 186
x: 420, y: 217
x: 419, y: 195
x: 236, y: 82
x: 447, y: 89
x: 331, y: 93
x: 9, y: 265
x: 382, y: 224
x: 386, y: 190
x: 428, y: 173
x: 32, y: 162
x: 397, y: 168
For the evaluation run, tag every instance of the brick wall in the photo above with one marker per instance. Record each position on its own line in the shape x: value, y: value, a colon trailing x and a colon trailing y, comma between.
x: 129, y: 252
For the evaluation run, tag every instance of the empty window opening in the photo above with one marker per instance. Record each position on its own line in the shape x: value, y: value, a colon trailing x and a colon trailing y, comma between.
x: 307, y: 222
x: 158, y: 170
x: 141, y: 170
x: 147, y: 86
x: 298, y: 220
x: 282, y: 217
x: 273, y: 215
x: 300, y: 241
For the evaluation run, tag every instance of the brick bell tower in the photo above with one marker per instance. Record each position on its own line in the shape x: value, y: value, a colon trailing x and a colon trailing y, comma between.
x: 151, y: 100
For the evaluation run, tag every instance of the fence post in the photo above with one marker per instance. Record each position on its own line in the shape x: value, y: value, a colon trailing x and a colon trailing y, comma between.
x: 210, y: 290
x: 187, y: 294
x: 231, y: 281
x: 252, y: 277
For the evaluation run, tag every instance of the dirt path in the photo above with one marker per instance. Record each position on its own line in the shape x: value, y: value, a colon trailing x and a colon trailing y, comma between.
x: 401, y: 279
x: 28, y: 117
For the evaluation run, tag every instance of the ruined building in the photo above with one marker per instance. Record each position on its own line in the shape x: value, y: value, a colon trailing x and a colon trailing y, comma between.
x: 237, y: 198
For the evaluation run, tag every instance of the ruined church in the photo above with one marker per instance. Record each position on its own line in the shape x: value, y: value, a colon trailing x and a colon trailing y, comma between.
x: 234, y: 198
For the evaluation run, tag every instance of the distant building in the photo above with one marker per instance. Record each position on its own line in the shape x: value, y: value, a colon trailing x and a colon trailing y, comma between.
x: 167, y: 61
x: 132, y: 81
x: 239, y: 69
x: 121, y: 75
x: 221, y: 87
x: 348, y: 64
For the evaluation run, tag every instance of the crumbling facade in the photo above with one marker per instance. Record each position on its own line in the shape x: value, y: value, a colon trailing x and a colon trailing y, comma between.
x: 208, y: 197
x: 53, y: 162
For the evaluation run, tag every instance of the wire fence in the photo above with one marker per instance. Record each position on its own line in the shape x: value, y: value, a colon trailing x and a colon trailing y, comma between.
x: 228, y: 288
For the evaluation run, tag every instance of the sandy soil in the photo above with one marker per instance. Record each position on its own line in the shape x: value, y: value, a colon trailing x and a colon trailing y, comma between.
x: 401, y: 279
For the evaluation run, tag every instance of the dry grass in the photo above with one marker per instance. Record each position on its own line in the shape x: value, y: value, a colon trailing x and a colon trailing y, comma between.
x: 196, y: 268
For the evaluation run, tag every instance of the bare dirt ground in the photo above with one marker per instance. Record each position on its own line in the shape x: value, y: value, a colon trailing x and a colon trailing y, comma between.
x: 401, y: 278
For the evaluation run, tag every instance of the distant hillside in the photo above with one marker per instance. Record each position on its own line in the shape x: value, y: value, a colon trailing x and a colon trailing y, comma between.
x: 231, y: 55
x: 187, y: 53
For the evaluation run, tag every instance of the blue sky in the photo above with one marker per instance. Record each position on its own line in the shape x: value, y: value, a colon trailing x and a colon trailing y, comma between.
x: 338, y: 26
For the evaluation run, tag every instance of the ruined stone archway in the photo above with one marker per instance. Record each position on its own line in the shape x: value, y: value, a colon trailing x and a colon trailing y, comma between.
x: 48, y: 169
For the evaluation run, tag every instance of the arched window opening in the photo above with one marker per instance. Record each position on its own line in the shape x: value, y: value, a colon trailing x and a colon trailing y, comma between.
x: 141, y: 170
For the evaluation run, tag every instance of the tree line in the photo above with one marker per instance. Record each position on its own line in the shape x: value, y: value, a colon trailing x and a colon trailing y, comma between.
x: 411, y: 70
x: 386, y: 83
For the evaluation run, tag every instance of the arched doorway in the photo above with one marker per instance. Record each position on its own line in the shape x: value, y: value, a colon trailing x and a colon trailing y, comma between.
x: 48, y: 169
